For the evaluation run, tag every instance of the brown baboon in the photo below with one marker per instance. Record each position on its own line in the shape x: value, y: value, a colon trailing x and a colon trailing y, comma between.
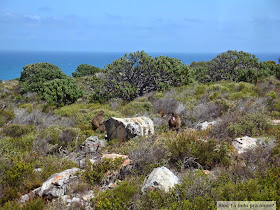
x: 98, y: 121
x: 174, y: 122
x: 162, y: 113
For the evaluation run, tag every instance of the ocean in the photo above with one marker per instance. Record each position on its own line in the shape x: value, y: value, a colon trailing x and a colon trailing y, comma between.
x: 12, y: 62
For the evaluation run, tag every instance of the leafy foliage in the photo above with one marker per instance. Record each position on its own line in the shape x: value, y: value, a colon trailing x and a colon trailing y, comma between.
x: 86, y: 70
x: 94, y: 175
x: 231, y: 65
x: 140, y: 107
x: 188, y: 150
x: 60, y: 92
x: 137, y: 73
x: 15, y: 130
x: 35, y: 75
x: 250, y: 125
x: 118, y: 198
x: 6, y: 116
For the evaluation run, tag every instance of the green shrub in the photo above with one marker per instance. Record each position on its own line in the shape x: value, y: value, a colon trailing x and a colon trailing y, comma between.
x: 234, y: 66
x: 146, y: 154
x: 94, y: 175
x: 136, y: 74
x: 60, y: 92
x: 10, y: 147
x: 72, y: 109
x: 16, y: 173
x: 188, y: 150
x: 200, y: 191
x: 86, y: 70
x: 138, y: 107
x: 16, y: 130
x: 6, y: 116
x: 121, y: 197
x: 249, y: 124
x: 35, y: 75
x: 99, y: 93
x: 34, y: 204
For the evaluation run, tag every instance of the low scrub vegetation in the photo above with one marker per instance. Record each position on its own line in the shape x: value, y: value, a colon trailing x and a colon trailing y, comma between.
x: 45, y: 117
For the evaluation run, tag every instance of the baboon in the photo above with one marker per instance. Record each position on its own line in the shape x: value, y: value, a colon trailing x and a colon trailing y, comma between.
x: 98, y: 121
x: 162, y: 113
x: 174, y: 122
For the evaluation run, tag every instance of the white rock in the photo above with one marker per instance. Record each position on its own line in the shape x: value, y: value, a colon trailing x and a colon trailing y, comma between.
x: 205, y: 125
x: 92, y: 145
x: 56, y: 184
x: 161, y: 178
x: 127, y: 128
x: 244, y: 143
x: 76, y: 200
x: 38, y: 170
x: 24, y: 198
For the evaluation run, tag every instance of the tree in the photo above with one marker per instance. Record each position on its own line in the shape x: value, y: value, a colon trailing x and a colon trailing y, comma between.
x: 35, y: 75
x: 85, y: 70
x: 60, y: 92
x: 231, y: 65
x: 137, y: 73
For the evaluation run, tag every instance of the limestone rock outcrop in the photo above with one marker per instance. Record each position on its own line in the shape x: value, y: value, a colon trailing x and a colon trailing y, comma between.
x: 92, y: 145
x: 57, y: 184
x: 127, y: 128
x: 160, y: 178
x: 244, y: 143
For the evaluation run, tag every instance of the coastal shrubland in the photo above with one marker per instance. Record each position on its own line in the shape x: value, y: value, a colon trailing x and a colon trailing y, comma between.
x: 137, y: 73
x: 45, y: 119
x: 48, y: 80
x: 86, y: 70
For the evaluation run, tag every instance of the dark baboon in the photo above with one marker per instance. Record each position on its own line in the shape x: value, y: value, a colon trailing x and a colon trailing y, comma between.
x: 98, y: 121
x: 174, y: 122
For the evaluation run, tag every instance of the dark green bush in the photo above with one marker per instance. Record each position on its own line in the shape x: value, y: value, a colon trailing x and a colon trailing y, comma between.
x: 86, y: 70
x: 137, y: 73
x: 60, y: 92
x: 121, y: 197
x: 232, y: 65
x: 35, y: 75
x: 17, y: 172
x: 16, y: 131
x: 99, y: 93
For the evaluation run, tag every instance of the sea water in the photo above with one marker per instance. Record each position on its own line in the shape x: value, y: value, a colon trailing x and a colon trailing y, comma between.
x: 12, y: 62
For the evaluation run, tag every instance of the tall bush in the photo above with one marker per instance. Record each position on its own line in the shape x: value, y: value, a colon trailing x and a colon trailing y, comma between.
x: 60, y: 92
x: 35, y: 75
x: 232, y: 65
x: 85, y: 70
x: 137, y: 73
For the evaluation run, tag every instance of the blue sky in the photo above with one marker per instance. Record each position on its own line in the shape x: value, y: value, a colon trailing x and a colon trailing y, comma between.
x: 150, y: 25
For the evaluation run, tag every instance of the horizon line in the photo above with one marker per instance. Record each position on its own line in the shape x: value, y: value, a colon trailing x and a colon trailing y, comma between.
x: 80, y: 51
